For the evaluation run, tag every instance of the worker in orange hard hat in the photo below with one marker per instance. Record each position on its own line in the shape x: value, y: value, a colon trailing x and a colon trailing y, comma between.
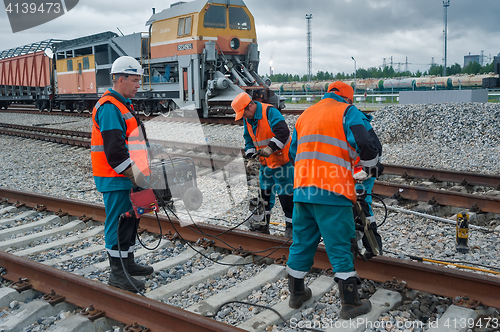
x: 327, y: 140
x: 239, y: 105
x: 267, y: 136
x: 364, y: 182
x: 342, y: 89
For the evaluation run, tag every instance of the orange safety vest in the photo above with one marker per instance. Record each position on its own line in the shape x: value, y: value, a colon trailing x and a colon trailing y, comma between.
x: 263, y: 136
x: 134, y: 139
x: 357, y: 167
x: 324, y: 158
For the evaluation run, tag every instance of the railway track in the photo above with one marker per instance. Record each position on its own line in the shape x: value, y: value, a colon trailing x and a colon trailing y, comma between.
x: 219, y: 157
x: 225, y: 120
x: 28, y: 259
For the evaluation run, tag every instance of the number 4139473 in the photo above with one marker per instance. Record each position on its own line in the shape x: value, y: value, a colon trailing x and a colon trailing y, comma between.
x: 485, y: 322
x: 33, y: 8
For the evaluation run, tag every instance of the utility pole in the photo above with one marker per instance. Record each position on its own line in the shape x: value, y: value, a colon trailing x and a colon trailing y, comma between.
x: 309, y: 48
x: 354, y: 74
x: 406, y: 65
x: 446, y: 4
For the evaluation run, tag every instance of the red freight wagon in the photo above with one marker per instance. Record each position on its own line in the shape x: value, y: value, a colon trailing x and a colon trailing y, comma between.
x: 26, y: 70
x: 26, y: 75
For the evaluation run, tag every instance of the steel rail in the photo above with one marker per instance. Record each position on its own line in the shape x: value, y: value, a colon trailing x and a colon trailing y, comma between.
x: 53, y: 112
x: 487, y: 180
x: 123, y: 306
x: 43, y: 137
x: 420, y: 276
x: 65, y: 132
x: 439, y: 197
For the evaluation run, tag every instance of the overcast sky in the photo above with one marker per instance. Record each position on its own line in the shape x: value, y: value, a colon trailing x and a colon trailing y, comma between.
x: 368, y: 30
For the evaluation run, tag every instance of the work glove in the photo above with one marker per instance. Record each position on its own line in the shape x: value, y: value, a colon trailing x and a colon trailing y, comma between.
x: 361, y: 176
x: 374, y: 171
x: 265, y: 152
x: 250, y: 164
x: 135, y: 176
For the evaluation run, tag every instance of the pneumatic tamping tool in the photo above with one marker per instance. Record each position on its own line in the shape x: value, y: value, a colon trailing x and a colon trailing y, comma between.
x: 365, y: 229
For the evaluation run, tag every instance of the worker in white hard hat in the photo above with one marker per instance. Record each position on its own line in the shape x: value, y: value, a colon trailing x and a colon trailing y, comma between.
x: 119, y: 163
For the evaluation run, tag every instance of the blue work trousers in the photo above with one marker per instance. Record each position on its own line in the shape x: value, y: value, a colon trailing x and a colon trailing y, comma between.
x: 313, y: 221
x: 116, y: 203
x: 279, y: 179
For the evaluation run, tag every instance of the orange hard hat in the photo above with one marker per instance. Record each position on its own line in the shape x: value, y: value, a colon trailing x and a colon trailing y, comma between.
x: 239, y: 103
x: 342, y: 89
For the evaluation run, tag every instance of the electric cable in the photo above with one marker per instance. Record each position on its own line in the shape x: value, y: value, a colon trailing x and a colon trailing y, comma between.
x: 385, y: 208
x: 207, y: 257
x: 127, y: 275
x: 200, y: 232
x: 165, y: 204
x: 454, y: 263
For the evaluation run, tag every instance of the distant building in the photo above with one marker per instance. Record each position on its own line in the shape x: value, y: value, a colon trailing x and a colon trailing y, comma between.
x: 472, y: 58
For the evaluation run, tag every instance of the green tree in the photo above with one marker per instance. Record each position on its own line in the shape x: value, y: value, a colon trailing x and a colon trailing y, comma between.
x: 472, y: 68
x: 435, y: 70
x: 488, y: 68
x: 454, y: 70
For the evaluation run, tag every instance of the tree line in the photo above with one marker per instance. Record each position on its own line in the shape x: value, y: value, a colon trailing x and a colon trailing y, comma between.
x: 472, y: 68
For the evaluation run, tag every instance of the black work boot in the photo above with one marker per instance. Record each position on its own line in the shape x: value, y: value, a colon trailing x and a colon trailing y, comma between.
x: 117, y: 277
x: 352, y: 306
x: 135, y: 269
x: 288, y: 230
x: 298, y: 292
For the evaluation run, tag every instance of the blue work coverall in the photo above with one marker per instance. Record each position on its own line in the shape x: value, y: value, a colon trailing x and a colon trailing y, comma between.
x: 320, y: 213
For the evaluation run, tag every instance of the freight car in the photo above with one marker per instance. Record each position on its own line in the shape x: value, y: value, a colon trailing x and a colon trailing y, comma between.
x: 26, y: 74
x: 196, y: 56
x: 396, y: 84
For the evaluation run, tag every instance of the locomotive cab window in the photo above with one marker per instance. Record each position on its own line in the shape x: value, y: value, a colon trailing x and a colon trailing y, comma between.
x: 86, y: 63
x: 69, y: 65
x: 184, y: 27
x: 215, y: 17
x: 238, y: 19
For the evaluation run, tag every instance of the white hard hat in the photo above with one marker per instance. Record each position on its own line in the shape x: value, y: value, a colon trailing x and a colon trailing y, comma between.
x: 126, y: 65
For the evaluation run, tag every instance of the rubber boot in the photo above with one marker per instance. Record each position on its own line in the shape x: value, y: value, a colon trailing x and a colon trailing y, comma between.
x: 288, y: 230
x: 352, y: 306
x: 135, y: 269
x: 298, y: 292
x: 117, y: 277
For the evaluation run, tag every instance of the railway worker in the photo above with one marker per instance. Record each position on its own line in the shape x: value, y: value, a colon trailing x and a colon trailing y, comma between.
x: 327, y: 139
x: 119, y: 163
x: 267, y: 136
